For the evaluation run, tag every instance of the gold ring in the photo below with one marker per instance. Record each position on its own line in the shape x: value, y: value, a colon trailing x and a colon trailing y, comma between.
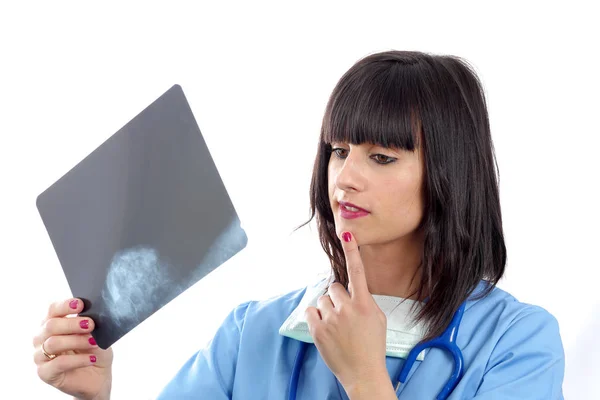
x: 48, y: 356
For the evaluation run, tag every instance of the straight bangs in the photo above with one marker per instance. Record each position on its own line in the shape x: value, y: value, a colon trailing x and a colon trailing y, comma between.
x: 384, y: 111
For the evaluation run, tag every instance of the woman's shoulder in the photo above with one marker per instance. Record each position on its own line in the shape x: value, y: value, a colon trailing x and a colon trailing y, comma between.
x: 508, y: 345
x: 502, y: 307
x: 272, y: 311
x: 499, y: 324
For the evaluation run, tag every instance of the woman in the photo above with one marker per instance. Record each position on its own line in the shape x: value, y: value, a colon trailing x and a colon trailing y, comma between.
x: 405, y: 195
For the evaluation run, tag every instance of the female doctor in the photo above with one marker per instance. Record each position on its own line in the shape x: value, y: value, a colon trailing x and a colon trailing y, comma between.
x: 405, y: 195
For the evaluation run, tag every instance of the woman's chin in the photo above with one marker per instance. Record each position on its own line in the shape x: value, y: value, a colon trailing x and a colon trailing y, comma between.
x: 356, y: 233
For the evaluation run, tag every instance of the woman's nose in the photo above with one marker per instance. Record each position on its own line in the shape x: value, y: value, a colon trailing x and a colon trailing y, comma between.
x: 350, y: 176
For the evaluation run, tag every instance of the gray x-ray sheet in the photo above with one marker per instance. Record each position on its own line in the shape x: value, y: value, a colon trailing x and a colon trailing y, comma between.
x: 142, y: 218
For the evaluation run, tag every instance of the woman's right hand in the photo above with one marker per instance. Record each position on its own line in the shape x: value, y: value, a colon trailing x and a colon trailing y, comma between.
x: 80, y: 369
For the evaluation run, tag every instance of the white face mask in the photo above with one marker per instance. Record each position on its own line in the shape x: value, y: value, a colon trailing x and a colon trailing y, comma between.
x: 402, y: 333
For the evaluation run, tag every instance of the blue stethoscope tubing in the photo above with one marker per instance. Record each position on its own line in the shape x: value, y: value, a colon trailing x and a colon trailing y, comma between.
x: 446, y: 341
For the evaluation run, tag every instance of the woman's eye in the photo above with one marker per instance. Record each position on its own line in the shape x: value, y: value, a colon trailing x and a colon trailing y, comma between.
x: 379, y: 158
x: 382, y: 159
x: 339, y: 152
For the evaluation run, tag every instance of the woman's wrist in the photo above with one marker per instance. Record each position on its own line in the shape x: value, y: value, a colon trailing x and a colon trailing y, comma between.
x: 380, y: 388
x: 103, y: 395
x: 99, y: 397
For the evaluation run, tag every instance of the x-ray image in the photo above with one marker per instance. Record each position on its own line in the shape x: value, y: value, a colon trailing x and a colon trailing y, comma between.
x: 142, y: 218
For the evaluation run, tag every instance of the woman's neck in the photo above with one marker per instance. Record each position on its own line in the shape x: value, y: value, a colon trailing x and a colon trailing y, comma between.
x: 392, y: 269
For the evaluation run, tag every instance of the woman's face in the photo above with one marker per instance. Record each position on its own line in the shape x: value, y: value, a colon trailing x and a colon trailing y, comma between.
x: 385, y: 183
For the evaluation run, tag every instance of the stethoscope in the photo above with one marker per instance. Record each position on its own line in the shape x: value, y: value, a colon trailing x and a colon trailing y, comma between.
x: 446, y: 341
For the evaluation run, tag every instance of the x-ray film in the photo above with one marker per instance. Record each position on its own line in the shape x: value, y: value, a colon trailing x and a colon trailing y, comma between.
x: 141, y: 219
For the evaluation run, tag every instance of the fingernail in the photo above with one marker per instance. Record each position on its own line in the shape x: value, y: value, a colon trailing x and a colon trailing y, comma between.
x: 93, y: 359
x: 73, y: 304
x: 84, y: 324
x: 92, y: 341
x: 347, y: 236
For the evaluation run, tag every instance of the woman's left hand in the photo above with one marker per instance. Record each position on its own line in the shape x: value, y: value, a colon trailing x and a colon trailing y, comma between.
x: 349, y: 328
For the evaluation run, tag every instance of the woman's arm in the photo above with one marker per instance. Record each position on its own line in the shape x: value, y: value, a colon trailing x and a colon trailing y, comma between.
x: 210, y: 372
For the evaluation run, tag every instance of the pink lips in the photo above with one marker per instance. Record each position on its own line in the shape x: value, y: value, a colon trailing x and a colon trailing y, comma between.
x: 348, y: 214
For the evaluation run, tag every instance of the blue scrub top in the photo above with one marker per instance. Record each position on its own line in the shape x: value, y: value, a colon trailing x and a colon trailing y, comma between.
x: 511, y: 350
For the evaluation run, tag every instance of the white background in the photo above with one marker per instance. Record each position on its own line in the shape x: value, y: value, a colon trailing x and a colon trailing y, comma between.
x: 257, y: 76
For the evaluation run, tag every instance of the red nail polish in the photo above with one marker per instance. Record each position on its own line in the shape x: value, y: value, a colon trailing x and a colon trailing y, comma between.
x: 92, y: 341
x: 93, y: 359
x: 347, y: 236
x: 84, y: 324
x: 73, y: 304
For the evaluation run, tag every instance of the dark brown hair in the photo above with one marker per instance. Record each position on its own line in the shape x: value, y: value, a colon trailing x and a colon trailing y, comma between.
x: 411, y: 100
